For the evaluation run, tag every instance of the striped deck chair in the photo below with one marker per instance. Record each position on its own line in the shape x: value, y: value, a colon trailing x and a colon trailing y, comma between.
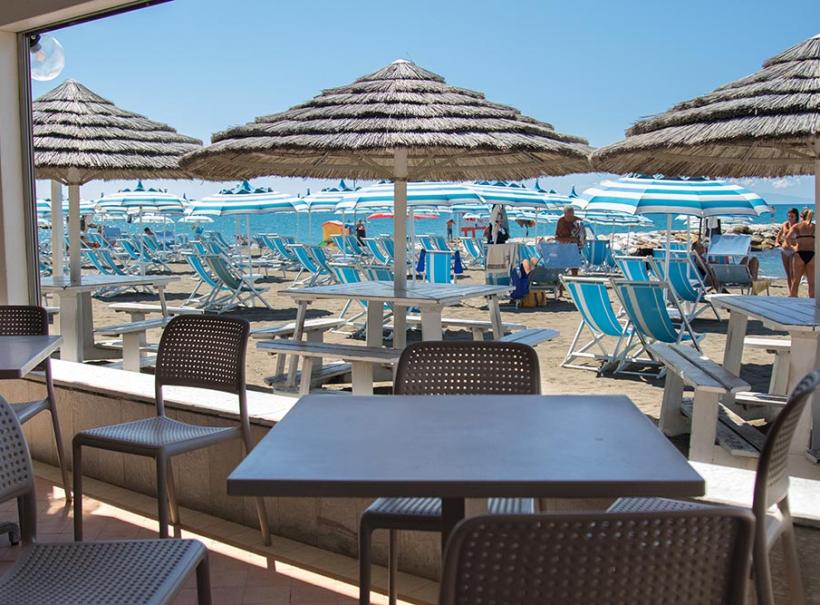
x: 143, y: 256
x: 438, y: 267
x: 597, y: 254
x: 378, y: 255
x: 528, y: 251
x: 241, y: 288
x: 308, y: 262
x: 107, y: 257
x: 590, y: 295
x: 645, y: 304
x: 389, y: 247
x: 439, y: 243
x: 635, y: 268
x: 727, y: 258
x: 426, y: 242
x: 687, y: 284
x: 281, y: 245
x: 349, y: 274
x: 375, y: 273
x: 204, y: 278
x: 474, y: 250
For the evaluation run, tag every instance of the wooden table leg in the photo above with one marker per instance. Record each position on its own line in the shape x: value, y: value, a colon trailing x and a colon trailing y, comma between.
x: 704, y: 426
x: 301, y: 312
x: 733, y: 353
x: 495, y: 317
x: 431, y: 323
x: 132, y: 351
x: 452, y: 512
x: 162, y: 302
x: 375, y: 324
x: 805, y: 350
x: 362, y: 378
x: 399, y: 327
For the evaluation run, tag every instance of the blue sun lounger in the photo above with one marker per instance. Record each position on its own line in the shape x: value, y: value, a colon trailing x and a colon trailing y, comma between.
x: 635, y: 268
x: 379, y: 256
x: 475, y: 251
x: 307, y: 259
x: 687, y: 284
x: 645, y: 304
x: 727, y: 259
x: 598, y: 255
x: 241, y: 289
x: 590, y: 295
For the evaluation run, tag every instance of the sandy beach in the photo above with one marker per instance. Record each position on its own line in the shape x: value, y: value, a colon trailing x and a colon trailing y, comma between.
x: 560, y: 315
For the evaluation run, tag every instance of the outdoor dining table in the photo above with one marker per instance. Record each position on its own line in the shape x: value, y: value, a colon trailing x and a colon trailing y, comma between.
x: 460, y: 447
x: 431, y: 299
x: 19, y: 355
x: 801, y: 319
x: 76, y: 317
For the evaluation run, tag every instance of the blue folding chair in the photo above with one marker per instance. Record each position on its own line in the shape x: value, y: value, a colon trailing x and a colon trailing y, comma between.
x: 727, y: 259
x: 241, y: 289
x: 204, y: 278
x: 376, y: 252
x: 687, y: 284
x: 555, y: 259
x: 635, y: 268
x: 308, y: 263
x: 439, y: 242
x: 439, y: 267
x: 598, y: 254
x: 375, y: 273
x: 590, y: 295
x: 389, y: 247
x: 646, y: 305
x: 426, y: 242
x: 108, y: 258
x: 474, y: 250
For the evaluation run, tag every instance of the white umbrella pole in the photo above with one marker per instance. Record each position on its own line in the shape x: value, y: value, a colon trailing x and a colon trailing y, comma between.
x: 74, y: 259
x: 413, y: 245
x: 668, y: 244
x: 248, y: 235
x: 141, y: 238
x: 57, y: 226
x: 400, y: 238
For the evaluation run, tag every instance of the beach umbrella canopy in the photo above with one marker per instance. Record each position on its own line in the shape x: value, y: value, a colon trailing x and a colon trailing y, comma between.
x: 692, y: 196
x: 326, y: 199
x: 401, y: 122
x: 245, y: 199
x: 196, y: 219
x: 382, y: 196
x: 416, y: 215
x: 766, y: 124
x: 140, y: 199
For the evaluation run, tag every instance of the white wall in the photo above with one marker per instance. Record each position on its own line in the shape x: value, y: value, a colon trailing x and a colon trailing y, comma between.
x: 13, y: 267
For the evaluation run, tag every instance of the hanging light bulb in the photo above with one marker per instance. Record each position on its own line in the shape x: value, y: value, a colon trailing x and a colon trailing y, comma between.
x: 47, y: 57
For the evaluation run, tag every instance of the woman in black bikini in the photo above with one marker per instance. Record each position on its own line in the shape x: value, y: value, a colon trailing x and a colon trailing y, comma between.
x: 782, y: 241
x: 801, y: 236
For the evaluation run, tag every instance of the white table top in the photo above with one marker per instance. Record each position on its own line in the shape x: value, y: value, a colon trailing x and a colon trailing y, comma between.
x: 89, y: 283
x: 465, y: 447
x: 419, y: 293
x: 778, y: 312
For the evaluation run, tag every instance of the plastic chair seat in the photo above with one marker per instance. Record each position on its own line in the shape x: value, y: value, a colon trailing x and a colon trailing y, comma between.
x: 135, y: 571
x: 153, y: 434
x: 27, y: 410
x: 650, y: 505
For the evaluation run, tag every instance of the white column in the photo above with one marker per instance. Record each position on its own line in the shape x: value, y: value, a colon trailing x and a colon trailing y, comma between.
x: 57, y: 228
x: 400, y: 240
x: 14, y: 270
x: 74, y: 260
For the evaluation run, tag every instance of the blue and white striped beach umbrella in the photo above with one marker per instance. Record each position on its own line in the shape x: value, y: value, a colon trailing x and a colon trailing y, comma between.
x: 515, y: 194
x: 326, y: 199
x: 43, y: 207
x: 694, y: 197
x: 140, y: 199
x: 380, y: 196
x: 246, y: 200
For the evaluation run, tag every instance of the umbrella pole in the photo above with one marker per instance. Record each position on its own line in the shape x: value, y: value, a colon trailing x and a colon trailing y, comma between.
x: 74, y: 260
x: 57, y: 226
x: 248, y: 235
x: 668, y: 245
x: 141, y: 237
x: 400, y: 236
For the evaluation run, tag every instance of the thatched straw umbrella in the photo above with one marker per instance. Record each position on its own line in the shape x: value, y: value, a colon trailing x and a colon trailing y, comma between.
x: 401, y: 122
x: 764, y: 125
x: 80, y: 136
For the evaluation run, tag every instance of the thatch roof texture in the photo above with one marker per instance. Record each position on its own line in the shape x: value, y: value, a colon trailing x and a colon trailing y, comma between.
x: 76, y: 128
x: 351, y: 131
x: 765, y: 124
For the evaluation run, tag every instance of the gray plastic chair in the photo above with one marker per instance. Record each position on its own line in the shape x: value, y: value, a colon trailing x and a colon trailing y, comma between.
x: 25, y: 320
x: 446, y: 368
x: 662, y: 558
x: 771, y: 490
x: 202, y: 351
x: 133, y: 571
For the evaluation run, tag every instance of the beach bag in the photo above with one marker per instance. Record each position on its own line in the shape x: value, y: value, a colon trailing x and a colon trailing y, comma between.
x: 458, y: 267
x: 422, y: 258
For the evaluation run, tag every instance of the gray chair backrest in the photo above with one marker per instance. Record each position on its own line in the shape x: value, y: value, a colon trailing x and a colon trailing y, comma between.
x: 16, y: 474
x: 203, y: 351
x: 24, y: 320
x: 772, y: 480
x: 468, y: 368
x: 683, y: 557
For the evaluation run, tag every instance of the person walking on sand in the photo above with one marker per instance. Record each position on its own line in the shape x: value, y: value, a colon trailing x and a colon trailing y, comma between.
x: 801, y: 237
x: 781, y: 240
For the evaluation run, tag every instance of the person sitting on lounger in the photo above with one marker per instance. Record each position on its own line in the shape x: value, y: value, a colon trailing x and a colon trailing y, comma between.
x: 801, y: 236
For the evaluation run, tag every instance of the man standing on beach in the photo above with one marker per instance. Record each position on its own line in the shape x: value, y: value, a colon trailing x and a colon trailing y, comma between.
x: 570, y: 230
x: 450, y: 223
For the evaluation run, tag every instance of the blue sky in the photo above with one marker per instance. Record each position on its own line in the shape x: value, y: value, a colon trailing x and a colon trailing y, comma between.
x: 590, y: 68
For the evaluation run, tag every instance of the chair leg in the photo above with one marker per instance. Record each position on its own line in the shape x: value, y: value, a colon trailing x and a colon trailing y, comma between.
x: 365, y: 535
x: 78, y: 491
x: 58, y: 441
x: 162, y: 495
x: 261, y: 510
x: 790, y: 558
x: 392, y: 567
x: 203, y: 581
x: 762, y: 570
x: 172, y: 496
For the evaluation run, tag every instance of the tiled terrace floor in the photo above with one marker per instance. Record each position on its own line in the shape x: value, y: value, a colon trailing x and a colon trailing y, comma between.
x: 286, y: 573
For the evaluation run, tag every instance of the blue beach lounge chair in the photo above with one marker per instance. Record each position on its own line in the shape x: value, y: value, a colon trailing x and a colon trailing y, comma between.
x: 687, y: 284
x: 635, y: 268
x: 728, y: 258
x: 439, y: 267
x: 241, y: 288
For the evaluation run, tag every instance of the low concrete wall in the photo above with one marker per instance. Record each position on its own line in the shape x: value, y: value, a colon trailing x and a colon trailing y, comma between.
x: 89, y: 396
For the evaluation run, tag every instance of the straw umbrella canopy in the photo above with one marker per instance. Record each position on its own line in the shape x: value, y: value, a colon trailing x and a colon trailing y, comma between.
x: 80, y: 136
x: 401, y: 123
x: 766, y: 124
